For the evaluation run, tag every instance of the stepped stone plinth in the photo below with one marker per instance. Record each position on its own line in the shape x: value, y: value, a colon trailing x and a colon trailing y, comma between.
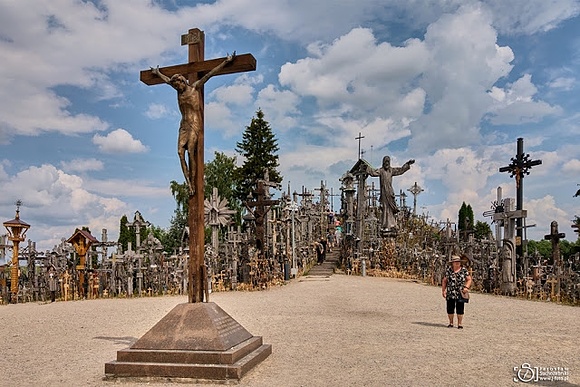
x: 195, y: 341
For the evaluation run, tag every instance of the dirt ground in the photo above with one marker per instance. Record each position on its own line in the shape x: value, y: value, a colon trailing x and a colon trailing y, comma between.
x: 337, y: 331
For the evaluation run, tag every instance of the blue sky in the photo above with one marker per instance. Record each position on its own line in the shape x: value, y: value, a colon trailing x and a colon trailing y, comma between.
x: 451, y: 84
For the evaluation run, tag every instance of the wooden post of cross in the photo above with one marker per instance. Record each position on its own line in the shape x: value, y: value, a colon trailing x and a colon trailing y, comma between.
x: 554, y: 236
x: 194, y: 70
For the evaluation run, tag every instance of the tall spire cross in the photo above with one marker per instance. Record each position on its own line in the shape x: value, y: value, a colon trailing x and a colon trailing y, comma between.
x: 359, y: 138
x: 194, y: 70
x: 518, y: 168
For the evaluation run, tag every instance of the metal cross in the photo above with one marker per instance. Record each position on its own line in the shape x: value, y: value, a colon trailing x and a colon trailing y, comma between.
x: 519, y: 167
x: 415, y: 190
x: 359, y: 138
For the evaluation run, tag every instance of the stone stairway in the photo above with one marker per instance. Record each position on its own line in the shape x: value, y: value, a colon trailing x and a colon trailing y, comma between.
x: 326, y: 269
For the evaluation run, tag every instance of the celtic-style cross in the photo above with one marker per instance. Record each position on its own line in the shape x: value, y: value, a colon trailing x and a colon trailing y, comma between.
x: 195, y: 70
x: 415, y: 191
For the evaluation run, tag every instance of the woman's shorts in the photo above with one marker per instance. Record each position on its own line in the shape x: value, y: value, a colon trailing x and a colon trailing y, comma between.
x: 452, y: 305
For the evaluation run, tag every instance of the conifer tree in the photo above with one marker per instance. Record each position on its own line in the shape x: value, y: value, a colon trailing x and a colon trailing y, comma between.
x: 125, y: 234
x: 128, y: 234
x: 259, y: 148
x: 465, y: 219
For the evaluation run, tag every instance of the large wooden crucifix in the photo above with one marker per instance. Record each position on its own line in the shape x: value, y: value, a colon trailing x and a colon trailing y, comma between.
x: 188, y: 79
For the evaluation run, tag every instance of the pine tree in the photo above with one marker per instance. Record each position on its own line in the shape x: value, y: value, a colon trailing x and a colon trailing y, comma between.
x: 128, y: 234
x: 259, y: 148
x: 125, y: 234
x: 465, y: 220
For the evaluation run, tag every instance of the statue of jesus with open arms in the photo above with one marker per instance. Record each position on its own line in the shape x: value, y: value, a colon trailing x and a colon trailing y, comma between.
x: 387, y: 198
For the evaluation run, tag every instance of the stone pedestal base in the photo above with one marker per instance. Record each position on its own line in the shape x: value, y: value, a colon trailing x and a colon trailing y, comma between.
x: 195, y: 341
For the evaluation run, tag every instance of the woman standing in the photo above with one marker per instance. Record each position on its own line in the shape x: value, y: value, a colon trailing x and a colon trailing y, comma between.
x: 455, y: 289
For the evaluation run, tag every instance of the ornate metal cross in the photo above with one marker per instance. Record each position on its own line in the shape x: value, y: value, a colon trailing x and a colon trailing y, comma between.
x: 519, y: 167
x: 415, y: 191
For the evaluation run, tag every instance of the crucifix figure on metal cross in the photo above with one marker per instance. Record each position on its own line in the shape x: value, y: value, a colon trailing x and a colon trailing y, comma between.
x: 519, y: 167
x: 188, y: 80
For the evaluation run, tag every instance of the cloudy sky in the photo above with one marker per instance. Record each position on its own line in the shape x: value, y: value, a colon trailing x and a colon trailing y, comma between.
x: 450, y: 83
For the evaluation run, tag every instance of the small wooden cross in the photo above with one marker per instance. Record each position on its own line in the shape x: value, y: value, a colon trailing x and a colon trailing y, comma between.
x: 554, y: 236
x: 194, y: 70
x: 261, y: 205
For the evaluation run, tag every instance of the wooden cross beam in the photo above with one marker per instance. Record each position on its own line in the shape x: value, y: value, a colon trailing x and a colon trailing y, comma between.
x: 190, y: 100
x: 245, y: 62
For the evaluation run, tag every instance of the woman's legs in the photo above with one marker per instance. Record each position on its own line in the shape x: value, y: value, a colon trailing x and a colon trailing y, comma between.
x: 450, y: 310
x: 460, y: 312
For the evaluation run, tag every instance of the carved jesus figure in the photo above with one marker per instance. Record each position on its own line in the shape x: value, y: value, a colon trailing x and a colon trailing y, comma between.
x: 191, y: 125
x: 387, y: 198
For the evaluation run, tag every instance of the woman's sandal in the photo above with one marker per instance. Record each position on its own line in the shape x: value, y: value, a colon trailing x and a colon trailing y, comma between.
x: 450, y: 326
x: 459, y: 327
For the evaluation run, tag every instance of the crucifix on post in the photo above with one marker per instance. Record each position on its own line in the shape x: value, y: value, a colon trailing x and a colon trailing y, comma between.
x: 519, y: 167
x: 188, y: 80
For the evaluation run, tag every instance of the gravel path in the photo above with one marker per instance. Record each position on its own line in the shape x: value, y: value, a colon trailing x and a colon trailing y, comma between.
x: 337, y: 331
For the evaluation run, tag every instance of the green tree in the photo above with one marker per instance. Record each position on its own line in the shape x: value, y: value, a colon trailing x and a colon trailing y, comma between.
x: 576, y: 228
x: 543, y: 247
x: 259, y: 148
x: 125, y: 234
x: 172, y: 238
x: 128, y: 234
x: 482, y: 230
x: 180, y: 193
x: 465, y: 219
x: 159, y: 232
x: 219, y: 173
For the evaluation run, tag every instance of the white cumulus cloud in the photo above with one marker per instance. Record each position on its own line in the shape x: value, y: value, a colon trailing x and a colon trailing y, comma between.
x: 119, y: 141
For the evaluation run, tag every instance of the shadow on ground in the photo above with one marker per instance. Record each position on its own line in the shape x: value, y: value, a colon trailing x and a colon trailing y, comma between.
x: 428, y: 324
x: 128, y: 340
